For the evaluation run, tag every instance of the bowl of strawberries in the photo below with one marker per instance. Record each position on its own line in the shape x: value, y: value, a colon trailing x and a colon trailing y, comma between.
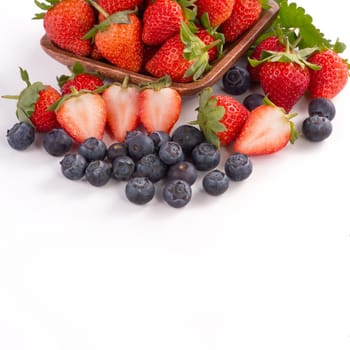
x: 193, y: 41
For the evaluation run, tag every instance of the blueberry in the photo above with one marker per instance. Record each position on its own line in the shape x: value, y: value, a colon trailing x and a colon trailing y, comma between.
x: 322, y: 107
x: 238, y: 167
x: 131, y: 134
x: 252, y: 101
x: 57, y: 142
x: 123, y: 168
x: 183, y: 171
x: 215, y: 182
x: 177, y: 193
x: 152, y: 167
x: 171, y: 153
x: 73, y: 166
x: 93, y: 149
x: 98, y: 173
x: 116, y: 150
x: 20, y: 136
x: 188, y: 137
x: 236, y: 80
x: 205, y: 156
x: 317, y: 128
x: 139, y: 146
x: 159, y: 137
x: 140, y: 190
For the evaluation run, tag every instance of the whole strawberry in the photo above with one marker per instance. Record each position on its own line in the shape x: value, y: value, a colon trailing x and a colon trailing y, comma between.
x: 218, y: 11
x: 79, y: 80
x: 271, y: 43
x: 220, y: 117
x: 331, y: 78
x: 66, y: 22
x: 244, y: 14
x: 118, y: 39
x: 33, y: 104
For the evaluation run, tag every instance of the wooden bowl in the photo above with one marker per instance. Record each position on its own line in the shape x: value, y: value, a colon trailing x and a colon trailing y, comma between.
x: 232, y: 53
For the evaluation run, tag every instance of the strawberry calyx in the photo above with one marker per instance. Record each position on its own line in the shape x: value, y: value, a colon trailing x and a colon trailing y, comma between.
x: 45, y: 7
x: 189, y: 10
x: 161, y: 83
x: 195, y: 51
x: 209, y: 116
x: 120, y: 17
x: 27, y: 99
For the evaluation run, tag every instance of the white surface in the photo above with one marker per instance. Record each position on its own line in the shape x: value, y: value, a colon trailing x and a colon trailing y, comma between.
x: 266, y: 266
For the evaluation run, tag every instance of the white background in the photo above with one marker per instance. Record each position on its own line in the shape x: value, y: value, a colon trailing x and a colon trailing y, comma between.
x: 267, y: 265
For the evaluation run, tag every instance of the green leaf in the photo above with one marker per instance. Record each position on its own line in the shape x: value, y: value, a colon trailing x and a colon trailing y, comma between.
x: 293, y: 133
x: 24, y: 76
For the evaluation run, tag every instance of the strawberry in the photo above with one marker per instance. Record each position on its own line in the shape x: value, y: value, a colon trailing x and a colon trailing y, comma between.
x: 331, y: 78
x: 33, y: 104
x: 66, y: 22
x: 160, y: 106
x: 244, y: 14
x: 82, y: 115
x: 122, y: 103
x: 267, y: 130
x: 184, y: 57
x: 118, y: 39
x: 161, y: 20
x: 218, y: 11
x: 79, y: 79
x: 271, y: 43
x: 220, y: 117
x: 113, y: 6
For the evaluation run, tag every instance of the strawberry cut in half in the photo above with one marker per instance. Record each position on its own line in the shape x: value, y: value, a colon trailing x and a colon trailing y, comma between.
x: 122, y: 102
x: 267, y: 129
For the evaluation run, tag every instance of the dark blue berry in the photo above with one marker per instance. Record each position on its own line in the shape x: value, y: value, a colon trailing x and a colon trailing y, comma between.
x: 98, y: 173
x: 57, y: 142
x: 238, y: 167
x: 171, y: 153
x: 215, y: 182
x: 317, y: 128
x: 152, y: 167
x: 183, y: 171
x: 73, y: 166
x: 123, y: 168
x: 252, y: 101
x: 205, y: 156
x: 322, y: 107
x: 188, y: 137
x: 177, y: 193
x: 159, y: 137
x: 20, y: 136
x: 139, y: 146
x: 132, y: 134
x: 115, y: 150
x: 140, y: 190
x: 93, y: 149
x: 236, y: 80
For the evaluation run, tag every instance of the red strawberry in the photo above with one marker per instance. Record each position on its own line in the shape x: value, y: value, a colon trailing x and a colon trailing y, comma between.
x: 33, y: 104
x: 331, y: 78
x: 218, y: 11
x: 82, y: 115
x: 66, y: 22
x: 118, y: 39
x: 183, y: 61
x: 271, y: 43
x: 113, y: 6
x: 267, y: 130
x: 220, y: 117
x: 244, y: 14
x: 161, y: 20
x: 122, y: 103
x: 79, y: 80
x: 160, y: 106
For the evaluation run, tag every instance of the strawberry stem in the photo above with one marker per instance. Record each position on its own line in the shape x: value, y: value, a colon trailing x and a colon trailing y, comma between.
x: 10, y: 97
x: 125, y: 82
x: 101, y: 10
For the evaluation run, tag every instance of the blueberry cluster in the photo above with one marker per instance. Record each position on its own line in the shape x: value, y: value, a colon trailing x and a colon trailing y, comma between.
x: 144, y: 160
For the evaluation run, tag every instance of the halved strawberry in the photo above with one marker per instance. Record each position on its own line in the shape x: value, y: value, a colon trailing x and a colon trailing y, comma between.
x: 82, y: 114
x: 122, y: 103
x: 267, y: 129
x: 160, y: 106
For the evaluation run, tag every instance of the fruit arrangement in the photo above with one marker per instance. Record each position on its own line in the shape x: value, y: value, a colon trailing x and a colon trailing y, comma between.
x: 145, y: 150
